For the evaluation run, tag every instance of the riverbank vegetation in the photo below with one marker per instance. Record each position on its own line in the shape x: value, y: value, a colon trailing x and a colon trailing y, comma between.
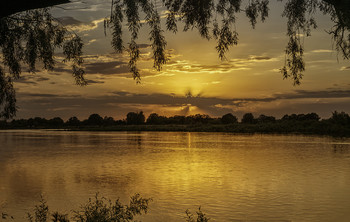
x: 337, y: 125
x: 100, y: 209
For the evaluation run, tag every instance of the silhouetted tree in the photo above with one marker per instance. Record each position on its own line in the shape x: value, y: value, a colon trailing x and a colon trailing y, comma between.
x: 197, y: 118
x: 340, y: 118
x: 154, y: 118
x: 177, y: 119
x: 3, y: 124
x: 95, y: 119
x: 73, y: 121
x: 248, y: 118
x: 135, y: 118
x: 266, y: 119
x: 56, y: 122
x: 301, y: 117
x: 312, y: 116
x: 108, y: 121
x: 229, y: 118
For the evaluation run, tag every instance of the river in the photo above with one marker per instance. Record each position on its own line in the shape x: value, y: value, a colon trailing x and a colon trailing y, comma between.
x: 232, y: 177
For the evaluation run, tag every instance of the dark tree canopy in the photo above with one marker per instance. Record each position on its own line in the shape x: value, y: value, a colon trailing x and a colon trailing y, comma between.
x: 95, y: 119
x: 133, y: 118
x: 248, y: 118
x: 229, y: 118
x: 28, y: 38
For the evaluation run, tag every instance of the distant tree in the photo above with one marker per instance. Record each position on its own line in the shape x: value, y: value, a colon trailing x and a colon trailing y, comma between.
x: 133, y: 118
x: 108, y: 121
x: 3, y: 124
x: 40, y: 122
x: 56, y: 122
x: 312, y: 116
x: 154, y: 118
x: 340, y: 118
x: 197, y: 119
x: 73, y: 121
x: 229, y: 118
x: 95, y: 120
x: 20, y: 123
x: 177, y: 119
x: 120, y: 122
x: 301, y: 117
x: 248, y: 118
x: 266, y: 119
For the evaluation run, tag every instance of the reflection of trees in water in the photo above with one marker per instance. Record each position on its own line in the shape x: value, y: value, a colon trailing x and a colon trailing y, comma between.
x: 341, y: 148
x: 135, y: 139
x: 30, y: 37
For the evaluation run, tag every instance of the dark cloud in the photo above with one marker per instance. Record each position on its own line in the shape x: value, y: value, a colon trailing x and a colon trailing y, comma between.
x: 123, y: 102
x: 94, y: 81
x: 25, y: 80
x: 143, y: 46
x: 40, y: 79
x: 260, y: 58
x: 57, y: 70
x: 45, y: 95
x: 31, y: 79
x: 304, y: 94
x: 106, y: 68
x: 67, y: 20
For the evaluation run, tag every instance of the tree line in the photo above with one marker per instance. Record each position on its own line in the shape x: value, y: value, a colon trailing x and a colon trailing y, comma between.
x: 138, y: 118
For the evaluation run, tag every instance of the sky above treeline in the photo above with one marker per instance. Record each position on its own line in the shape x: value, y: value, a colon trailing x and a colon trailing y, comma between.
x: 195, y: 80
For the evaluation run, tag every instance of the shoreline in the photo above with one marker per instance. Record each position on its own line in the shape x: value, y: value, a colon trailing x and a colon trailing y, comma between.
x: 311, y: 128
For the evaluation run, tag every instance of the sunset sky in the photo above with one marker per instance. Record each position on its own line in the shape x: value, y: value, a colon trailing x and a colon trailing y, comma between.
x: 195, y: 80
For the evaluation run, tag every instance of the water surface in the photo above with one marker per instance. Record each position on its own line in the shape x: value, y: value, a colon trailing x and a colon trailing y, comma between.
x: 232, y: 177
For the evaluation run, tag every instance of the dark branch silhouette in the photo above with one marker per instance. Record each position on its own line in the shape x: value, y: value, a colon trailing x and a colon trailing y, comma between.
x: 217, y: 19
x: 30, y: 37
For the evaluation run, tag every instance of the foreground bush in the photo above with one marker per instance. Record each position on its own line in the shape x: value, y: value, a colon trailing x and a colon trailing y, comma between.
x: 100, y: 209
x: 95, y: 210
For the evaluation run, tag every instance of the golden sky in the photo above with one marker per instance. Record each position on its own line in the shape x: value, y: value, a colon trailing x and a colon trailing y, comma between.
x: 195, y: 80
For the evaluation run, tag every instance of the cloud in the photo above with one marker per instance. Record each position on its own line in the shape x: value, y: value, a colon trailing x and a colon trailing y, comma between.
x: 40, y: 79
x: 223, y: 67
x: 344, y: 68
x: 91, y: 41
x: 189, y: 66
x: 321, y: 51
x: 260, y: 58
x: 69, y: 21
x: 41, y: 95
x: 143, y: 46
x: 121, y: 102
x: 106, y: 68
x: 31, y: 79
x: 90, y: 81
x: 79, y: 26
